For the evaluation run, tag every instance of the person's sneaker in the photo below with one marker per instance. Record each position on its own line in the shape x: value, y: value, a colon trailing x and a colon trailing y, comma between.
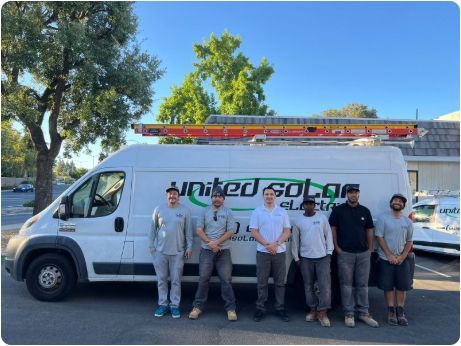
x: 161, y: 310
x: 369, y: 321
x: 195, y: 313
x: 258, y: 316
x: 349, y: 321
x: 311, y: 316
x: 283, y: 315
x: 175, y: 313
x: 231, y: 315
x: 391, y: 316
x: 324, y: 320
x: 401, y: 319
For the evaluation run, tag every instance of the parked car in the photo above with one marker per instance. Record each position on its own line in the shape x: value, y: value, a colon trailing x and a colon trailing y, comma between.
x: 436, y: 224
x: 24, y: 188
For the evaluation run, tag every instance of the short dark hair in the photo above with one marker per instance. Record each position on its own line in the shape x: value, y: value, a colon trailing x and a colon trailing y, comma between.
x: 268, y: 188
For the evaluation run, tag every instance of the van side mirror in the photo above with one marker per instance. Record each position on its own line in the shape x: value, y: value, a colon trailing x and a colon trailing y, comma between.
x: 64, y: 208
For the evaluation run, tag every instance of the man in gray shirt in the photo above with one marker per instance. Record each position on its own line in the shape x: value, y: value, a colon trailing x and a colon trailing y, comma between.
x: 215, y: 227
x: 394, y: 233
x: 170, y: 241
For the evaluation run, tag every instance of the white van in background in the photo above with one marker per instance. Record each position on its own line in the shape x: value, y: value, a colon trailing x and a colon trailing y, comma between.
x: 436, y: 222
x: 97, y: 230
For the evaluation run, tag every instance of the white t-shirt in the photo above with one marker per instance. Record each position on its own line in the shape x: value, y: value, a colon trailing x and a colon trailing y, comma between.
x: 270, y: 224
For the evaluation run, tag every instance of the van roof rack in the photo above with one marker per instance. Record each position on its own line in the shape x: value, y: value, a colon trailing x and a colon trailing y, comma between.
x: 351, y: 134
x: 437, y: 193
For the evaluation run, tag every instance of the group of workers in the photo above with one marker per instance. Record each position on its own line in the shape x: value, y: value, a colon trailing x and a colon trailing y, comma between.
x: 349, y: 231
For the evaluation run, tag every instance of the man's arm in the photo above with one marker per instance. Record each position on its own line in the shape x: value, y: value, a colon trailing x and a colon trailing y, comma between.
x: 370, y: 237
x: 335, y: 239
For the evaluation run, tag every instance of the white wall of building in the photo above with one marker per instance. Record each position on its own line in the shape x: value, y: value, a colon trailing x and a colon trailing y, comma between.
x: 436, y: 175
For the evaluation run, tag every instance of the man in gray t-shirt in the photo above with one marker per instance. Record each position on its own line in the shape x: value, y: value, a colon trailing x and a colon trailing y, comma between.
x: 170, y: 241
x: 394, y: 233
x: 215, y: 227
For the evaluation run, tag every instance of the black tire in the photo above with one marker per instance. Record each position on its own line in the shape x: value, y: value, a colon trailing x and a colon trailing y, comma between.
x: 50, y: 277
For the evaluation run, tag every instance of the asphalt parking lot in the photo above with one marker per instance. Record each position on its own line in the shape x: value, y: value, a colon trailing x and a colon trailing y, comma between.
x: 121, y: 313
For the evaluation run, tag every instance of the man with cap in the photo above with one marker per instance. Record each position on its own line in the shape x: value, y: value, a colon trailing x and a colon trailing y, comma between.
x: 312, y: 241
x: 352, y: 228
x: 215, y: 227
x: 170, y: 241
x: 270, y: 226
x: 394, y: 233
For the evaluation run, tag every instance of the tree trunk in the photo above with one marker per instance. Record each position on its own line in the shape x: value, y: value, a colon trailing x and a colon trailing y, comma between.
x: 44, y: 181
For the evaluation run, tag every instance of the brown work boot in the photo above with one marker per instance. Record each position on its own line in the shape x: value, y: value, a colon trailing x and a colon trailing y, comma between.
x: 391, y: 316
x: 323, y: 319
x: 231, y: 315
x: 311, y: 316
x: 195, y: 313
x: 369, y: 320
x: 401, y: 319
x: 349, y: 321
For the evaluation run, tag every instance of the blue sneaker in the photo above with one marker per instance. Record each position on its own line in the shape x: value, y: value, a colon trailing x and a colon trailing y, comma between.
x: 161, y: 310
x: 175, y: 313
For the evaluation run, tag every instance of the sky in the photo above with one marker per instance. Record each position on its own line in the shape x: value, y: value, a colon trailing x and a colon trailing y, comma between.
x: 395, y: 57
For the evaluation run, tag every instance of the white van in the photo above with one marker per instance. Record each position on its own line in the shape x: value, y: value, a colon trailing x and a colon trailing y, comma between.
x: 436, y: 224
x: 97, y: 229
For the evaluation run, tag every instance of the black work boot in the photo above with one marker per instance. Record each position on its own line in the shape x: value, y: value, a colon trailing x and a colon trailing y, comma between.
x: 392, y: 316
x: 402, y: 320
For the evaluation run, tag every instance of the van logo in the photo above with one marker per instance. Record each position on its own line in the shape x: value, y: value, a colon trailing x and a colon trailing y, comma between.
x: 450, y: 212
x: 291, y: 191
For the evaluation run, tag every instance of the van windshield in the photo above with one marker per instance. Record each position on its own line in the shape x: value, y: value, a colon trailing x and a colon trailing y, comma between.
x: 423, y: 213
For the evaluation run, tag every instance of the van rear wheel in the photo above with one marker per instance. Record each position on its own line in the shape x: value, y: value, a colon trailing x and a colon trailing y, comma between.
x: 50, y: 277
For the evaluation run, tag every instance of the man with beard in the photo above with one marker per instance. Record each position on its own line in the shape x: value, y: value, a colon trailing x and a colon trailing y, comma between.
x: 215, y: 227
x: 352, y: 229
x: 394, y: 233
x: 170, y: 241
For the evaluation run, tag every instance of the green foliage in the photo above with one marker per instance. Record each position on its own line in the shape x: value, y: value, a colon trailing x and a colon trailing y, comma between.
x: 77, y: 66
x: 18, y: 155
x: 352, y: 110
x: 66, y: 171
x: 236, y: 82
x: 29, y: 203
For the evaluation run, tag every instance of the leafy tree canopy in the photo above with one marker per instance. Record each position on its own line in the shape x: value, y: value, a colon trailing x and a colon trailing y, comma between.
x: 237, y: 84
x: 77, y: 66
x: 352, y: 110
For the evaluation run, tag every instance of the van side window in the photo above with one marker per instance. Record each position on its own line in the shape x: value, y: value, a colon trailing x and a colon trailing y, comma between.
x: 99, y: 196
x: 423, y: 213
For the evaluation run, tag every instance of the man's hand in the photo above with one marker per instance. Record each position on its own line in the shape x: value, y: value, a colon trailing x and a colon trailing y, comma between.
x: 272, y: 248
x: 214, y: 246
x: 392, y: 259
x: 188, y: 254
x: 152, y: 251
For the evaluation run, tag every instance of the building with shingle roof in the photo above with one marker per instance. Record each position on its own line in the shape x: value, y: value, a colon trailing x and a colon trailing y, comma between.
x: 433, y: 160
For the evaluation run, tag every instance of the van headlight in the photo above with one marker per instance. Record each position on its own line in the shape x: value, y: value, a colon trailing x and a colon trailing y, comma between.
x: 29, y: 223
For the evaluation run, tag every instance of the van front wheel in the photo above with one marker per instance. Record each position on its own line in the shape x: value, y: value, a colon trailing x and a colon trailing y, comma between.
x: 50, y: 277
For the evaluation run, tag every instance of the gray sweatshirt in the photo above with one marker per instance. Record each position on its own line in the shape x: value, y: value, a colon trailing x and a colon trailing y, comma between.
x: 171, y: 231
x: 311, y: 237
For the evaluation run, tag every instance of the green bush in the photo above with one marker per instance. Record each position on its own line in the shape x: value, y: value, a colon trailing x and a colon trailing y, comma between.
x: 29, y: 203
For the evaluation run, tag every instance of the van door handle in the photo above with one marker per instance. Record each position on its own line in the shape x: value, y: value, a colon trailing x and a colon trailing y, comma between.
x: 119, y: 224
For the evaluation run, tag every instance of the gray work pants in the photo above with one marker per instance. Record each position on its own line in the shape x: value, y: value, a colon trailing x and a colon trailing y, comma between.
x: 320, y: 268
x: 172, y: 266
x: 353, y: 271
x: 222, y: 261
x: 265, y: 264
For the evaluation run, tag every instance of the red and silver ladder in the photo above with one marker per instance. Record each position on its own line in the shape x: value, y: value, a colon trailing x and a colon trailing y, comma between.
x: 398, y: 132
